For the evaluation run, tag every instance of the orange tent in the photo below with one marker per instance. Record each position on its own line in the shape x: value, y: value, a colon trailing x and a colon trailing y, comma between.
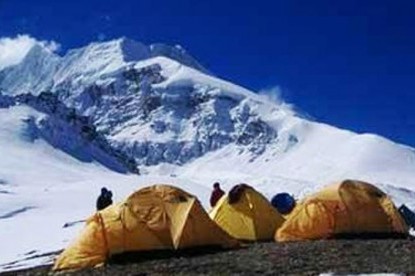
x: 156, y: 217
x: 349, y: 207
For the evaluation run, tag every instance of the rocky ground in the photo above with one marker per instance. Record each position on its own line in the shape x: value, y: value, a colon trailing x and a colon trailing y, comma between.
x: 296, y: 258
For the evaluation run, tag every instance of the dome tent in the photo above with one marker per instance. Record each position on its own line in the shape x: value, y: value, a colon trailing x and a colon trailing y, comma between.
x: 347, y: 208
x: 155, y: 217
x: 247, y: 215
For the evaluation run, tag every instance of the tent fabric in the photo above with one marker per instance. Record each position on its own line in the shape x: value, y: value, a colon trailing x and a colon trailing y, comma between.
x: 156, y: 217
x: 350, y: 207
x: 250, y: 218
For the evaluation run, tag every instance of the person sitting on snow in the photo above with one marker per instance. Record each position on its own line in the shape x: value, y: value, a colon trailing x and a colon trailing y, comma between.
x: 104, y: 199
x: 217, y: 193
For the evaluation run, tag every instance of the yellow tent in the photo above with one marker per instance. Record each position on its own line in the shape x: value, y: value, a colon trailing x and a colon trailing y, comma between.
x: 347, y: 208
x: 250, y: 218
x: 156, y: 217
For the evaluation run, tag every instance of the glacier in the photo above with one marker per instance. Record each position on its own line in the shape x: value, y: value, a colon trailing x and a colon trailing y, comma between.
x: 123, y: 115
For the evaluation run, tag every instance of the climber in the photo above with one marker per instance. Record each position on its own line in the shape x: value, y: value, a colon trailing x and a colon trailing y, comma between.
x: 217, y: 193
x: 104, y: 199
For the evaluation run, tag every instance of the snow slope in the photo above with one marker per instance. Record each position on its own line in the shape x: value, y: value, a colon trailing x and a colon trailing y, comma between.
x: 158, y: 106
x: 42, y: 188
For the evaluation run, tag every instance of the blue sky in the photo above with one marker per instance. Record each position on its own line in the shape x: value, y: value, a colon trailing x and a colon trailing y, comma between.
x: 347, y: 63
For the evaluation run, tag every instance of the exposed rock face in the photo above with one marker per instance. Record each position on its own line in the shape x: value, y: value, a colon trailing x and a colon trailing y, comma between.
x: 151, y: 103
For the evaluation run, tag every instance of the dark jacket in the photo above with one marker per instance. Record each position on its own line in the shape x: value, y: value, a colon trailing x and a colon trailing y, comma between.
x: 103, y: 201
x: 217, y: 193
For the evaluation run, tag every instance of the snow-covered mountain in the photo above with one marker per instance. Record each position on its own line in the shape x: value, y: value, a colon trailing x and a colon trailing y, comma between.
x: 146, y: 100
x: 71, y: 124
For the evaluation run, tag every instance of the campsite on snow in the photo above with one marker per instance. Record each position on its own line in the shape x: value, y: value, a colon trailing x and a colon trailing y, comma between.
x: 157, y: 129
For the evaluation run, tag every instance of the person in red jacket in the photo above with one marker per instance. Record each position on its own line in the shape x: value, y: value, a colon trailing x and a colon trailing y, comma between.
x: 217, y: 193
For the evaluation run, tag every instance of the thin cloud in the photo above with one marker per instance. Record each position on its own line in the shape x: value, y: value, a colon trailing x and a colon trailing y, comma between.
x: 14, y: 49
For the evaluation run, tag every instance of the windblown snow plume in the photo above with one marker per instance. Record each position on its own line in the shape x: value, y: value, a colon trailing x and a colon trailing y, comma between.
x: 274, y: 94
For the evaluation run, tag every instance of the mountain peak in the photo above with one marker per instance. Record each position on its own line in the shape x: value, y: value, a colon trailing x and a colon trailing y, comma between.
x: 177, y: 53
x: 128, y: 50
x: 133, y: 50
x: 37, y: 52
x: 43, y: 69
x: 32, y: 74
